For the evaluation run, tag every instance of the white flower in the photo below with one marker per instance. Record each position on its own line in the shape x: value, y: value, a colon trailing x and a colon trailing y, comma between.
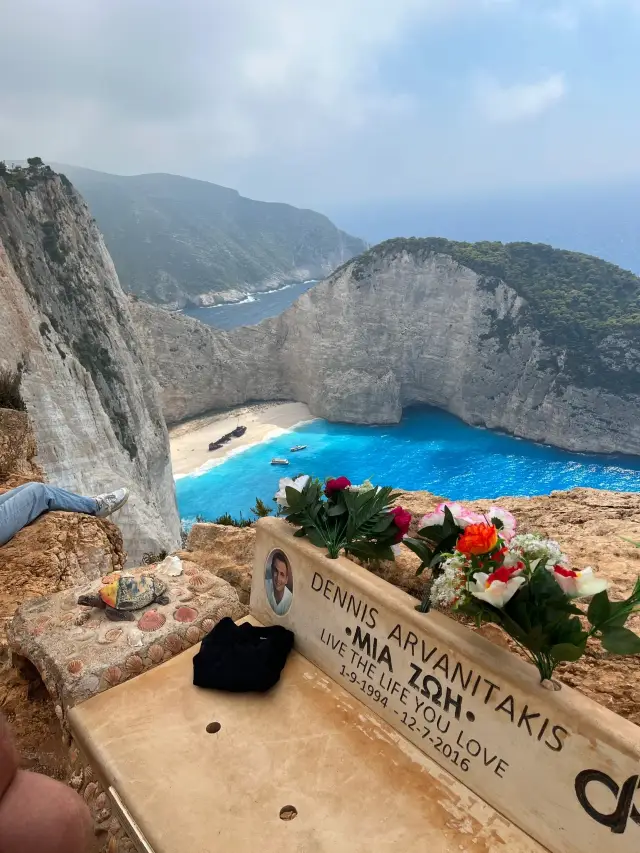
x: 365, y: 486
x: 472, y: 518
x: 456, y: 509
x: 286, y: 482
x: 462, y: 516
x: 446, y: 588
x: 507, y: 526
x: 580, y: 584
x: 535, y: 547
x: 431, y: 520
x: 512, y: 559
x: 497, y: 592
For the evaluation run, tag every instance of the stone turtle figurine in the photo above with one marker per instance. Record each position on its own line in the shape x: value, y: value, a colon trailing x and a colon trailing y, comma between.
x: 125, y: 594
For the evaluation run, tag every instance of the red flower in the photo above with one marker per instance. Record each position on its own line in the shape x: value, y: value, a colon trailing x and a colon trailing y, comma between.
x: 402, y: 520
x: 502, y: 574
x: 337, y: 485
x: 495, y: 558
x: 565, y: 573
x: 478, y: 539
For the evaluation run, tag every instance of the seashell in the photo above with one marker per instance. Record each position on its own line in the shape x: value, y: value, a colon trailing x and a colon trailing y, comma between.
x: 68, y: 619
x: 134, y: 664
x: 127, y: 845
x: 101, y: 801
x: 112, y: 675
x: 88, y: 686
x: 74, y: 754
x: 193, y: 634
x: 88, y: 774
x: 185, y: 614
x: 43, y: 620
x: 103, y: 815
x: 156, y: 653
x: 112, y: 845
x: 81, y: 617
x: 111, y: 577
x: 111, y: 635
x: 173, y: 644
x: 114, y: 826
x: 185, y: 595
x: 76, y: 781
x: 192, y: 570
x: 208, y: 625
x: 151, y: 620
x: 59, y: 712
x: 75, y: 667
x: 135, y: 638
x: 90, y: 791
x: 37, y: 630
x: 199, y: 583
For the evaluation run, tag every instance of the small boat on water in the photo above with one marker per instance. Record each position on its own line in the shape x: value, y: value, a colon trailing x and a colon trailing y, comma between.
x: 298, y: 448
x: 277, y: 461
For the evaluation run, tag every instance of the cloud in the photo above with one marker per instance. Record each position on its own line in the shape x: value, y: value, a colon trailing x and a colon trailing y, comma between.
x: 314, y: 102
x: 518, y: 101
x: 237, y: 77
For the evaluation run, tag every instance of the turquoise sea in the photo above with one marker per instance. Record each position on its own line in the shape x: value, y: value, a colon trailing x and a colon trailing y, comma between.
x: 429, y: 450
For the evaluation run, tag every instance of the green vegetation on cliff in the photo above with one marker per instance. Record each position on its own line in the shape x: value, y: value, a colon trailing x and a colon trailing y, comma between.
x: 172, y: 238
x: 575, y: 301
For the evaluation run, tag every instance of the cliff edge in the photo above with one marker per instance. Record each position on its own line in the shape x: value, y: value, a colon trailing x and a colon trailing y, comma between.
x: 540, y: 343
x: 65, y: 325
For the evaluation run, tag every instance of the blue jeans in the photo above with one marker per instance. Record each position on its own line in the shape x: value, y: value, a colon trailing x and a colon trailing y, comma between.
x: 21, y: 506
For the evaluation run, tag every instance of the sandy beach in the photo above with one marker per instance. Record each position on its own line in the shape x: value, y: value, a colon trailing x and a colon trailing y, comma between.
x: 190, y: 440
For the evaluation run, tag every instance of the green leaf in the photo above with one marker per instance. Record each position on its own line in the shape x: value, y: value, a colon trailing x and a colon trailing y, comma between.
x: 315, y: 538
x: 383, y: 524
x: 618, y: 616
x: 433, y: 532
x: 420, y: 549
x: 449, y: 528
x: 295, y: 499
x: 566, y: 651
x: 621, y: 641
x: 300, y: 533
x: 336, y: 509
x: 599, y: 609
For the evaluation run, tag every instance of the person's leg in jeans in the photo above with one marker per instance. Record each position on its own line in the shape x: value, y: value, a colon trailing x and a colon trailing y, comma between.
x: 21, y: 506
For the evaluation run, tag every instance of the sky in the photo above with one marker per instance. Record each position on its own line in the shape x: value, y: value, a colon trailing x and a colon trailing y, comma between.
x: 324, y: 103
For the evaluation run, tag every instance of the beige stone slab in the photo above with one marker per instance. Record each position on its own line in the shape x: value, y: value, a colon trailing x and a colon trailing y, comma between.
x: 357, y: 785
x: 561, y: 767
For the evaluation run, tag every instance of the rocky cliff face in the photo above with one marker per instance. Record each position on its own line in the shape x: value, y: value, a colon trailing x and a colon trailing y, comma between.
x: 65, y: 322
x: 399, y: 330
x: 177, y: 241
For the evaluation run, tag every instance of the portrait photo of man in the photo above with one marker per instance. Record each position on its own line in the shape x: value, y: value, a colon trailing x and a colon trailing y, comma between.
x: 278, y: 582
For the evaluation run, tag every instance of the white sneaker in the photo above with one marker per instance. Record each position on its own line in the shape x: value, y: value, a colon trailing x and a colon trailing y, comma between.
x: 109, y: 503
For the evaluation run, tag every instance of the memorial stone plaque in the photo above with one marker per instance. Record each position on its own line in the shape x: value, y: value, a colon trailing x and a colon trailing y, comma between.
x: 561, y: 767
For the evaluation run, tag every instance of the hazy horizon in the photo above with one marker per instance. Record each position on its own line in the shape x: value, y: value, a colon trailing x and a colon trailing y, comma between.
x: 325, y: 104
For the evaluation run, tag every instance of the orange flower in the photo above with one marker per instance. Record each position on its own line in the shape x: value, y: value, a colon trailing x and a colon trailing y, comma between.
x: 478, y: 539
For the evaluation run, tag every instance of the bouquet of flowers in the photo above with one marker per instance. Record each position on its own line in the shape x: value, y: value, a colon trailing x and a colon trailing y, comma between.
x: 359, y: 520
x: 523, y: 583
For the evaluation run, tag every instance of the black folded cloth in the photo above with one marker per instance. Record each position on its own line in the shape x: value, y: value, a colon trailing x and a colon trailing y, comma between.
x: 242, y: 658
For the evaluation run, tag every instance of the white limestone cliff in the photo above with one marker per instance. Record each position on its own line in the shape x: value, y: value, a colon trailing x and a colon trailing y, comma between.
x: 85, y: 377
x: 359, y: 347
